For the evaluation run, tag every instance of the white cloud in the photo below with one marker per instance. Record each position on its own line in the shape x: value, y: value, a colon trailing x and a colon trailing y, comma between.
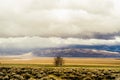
x: 38, y: 42
x: 58, y: 18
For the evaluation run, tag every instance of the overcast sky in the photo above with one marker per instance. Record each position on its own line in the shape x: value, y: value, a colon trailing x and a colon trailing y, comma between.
x: 49, y: 23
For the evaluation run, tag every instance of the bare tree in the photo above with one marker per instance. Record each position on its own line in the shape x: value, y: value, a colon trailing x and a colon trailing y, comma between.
x: 58, y: 61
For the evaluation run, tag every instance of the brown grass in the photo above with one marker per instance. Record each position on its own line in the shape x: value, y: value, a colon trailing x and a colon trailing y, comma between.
x: 67, y: 61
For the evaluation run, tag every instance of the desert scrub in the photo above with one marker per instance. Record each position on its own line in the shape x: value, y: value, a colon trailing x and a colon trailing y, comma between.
x: 57, y: 73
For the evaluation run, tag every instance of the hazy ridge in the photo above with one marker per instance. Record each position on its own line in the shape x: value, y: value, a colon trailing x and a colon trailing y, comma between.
x: 66, y: 51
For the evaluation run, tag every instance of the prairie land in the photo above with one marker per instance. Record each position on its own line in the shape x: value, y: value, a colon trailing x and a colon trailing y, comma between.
x: 96, y: 62
x: 73, y: 69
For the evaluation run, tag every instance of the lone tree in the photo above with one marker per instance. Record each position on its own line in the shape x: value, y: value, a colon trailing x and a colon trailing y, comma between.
x: 58, y: 61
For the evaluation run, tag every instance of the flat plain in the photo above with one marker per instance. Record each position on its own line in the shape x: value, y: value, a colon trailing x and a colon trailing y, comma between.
x: 105, y: 62
x: 43, y: 68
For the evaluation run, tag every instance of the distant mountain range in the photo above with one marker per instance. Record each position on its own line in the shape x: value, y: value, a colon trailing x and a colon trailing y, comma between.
x: 69, y: 51
x: 75, y: 52
x: 112, y: 48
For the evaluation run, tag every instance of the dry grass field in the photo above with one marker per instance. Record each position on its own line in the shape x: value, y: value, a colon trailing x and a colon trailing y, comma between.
x: 67, y: 61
